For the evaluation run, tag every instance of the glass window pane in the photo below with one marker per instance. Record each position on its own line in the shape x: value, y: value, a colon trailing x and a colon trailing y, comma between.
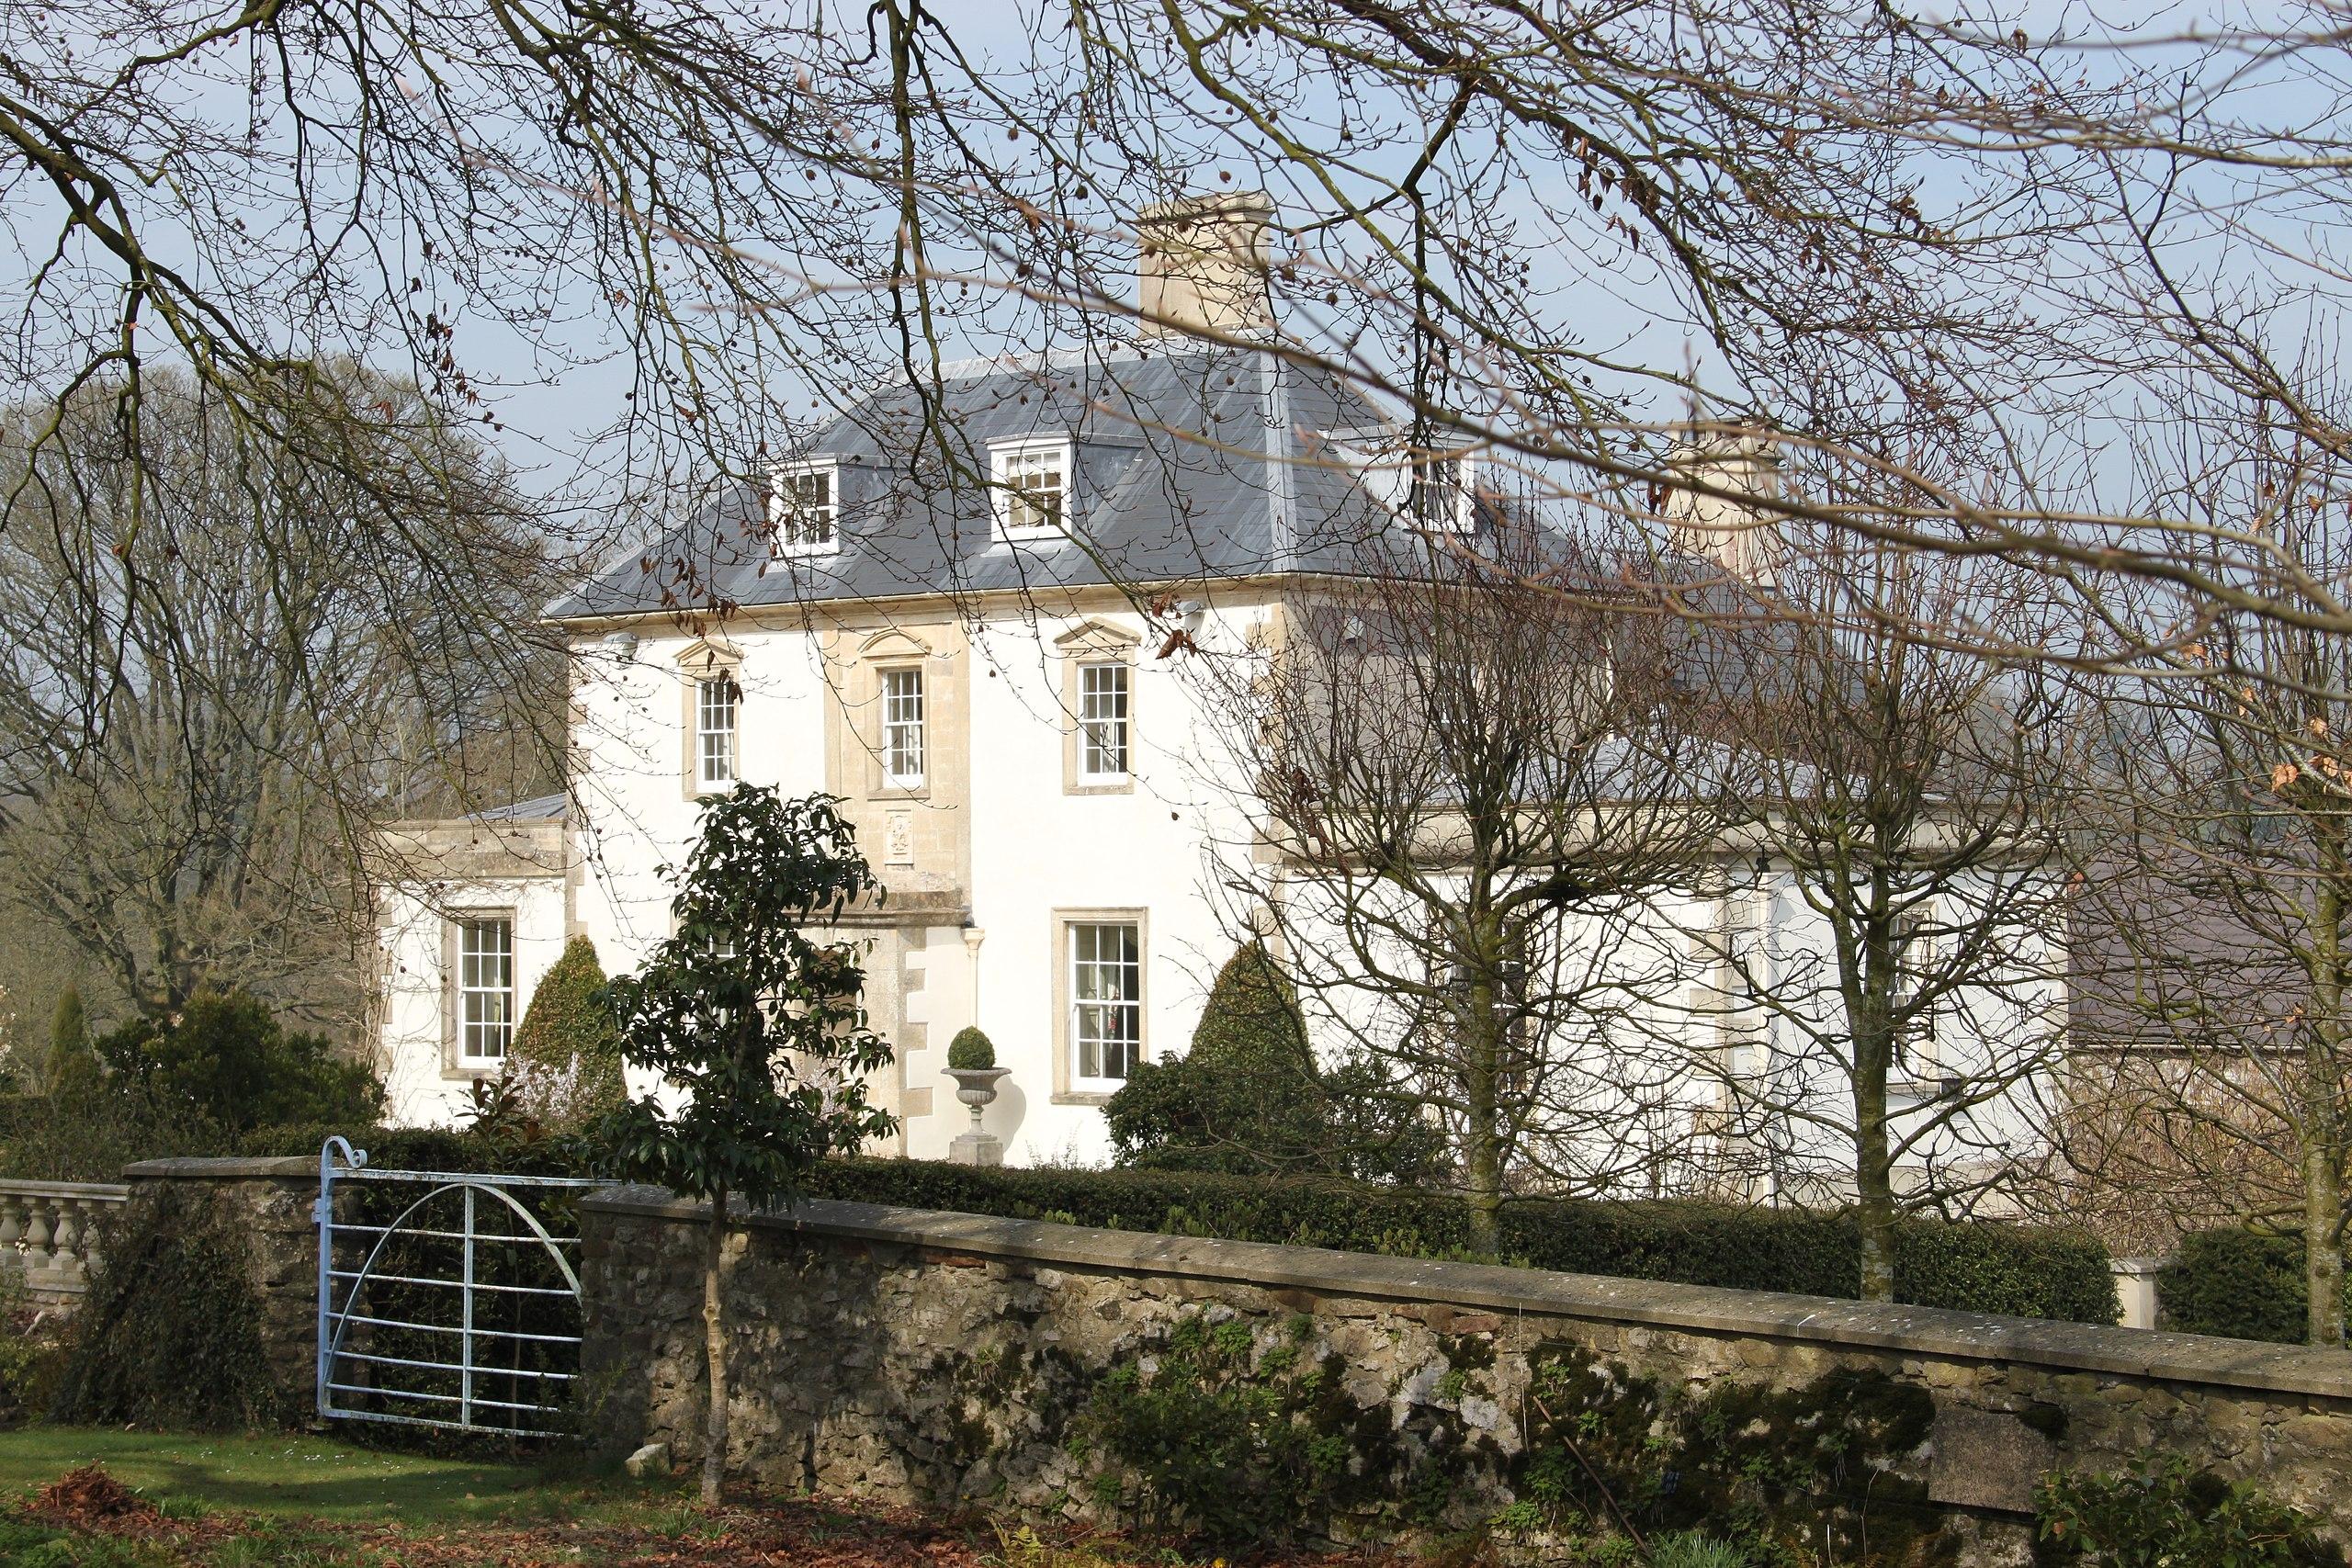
x: 1106, y: 1006
x: 485, y: 988
x: 902, y: 727
x: 1103, y: 720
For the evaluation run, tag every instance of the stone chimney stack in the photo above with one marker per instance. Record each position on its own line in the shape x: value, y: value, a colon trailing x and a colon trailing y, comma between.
x: 1743, y: 540
x: 1203, y: 264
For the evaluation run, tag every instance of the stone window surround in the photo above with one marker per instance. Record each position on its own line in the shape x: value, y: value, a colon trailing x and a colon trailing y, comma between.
x: 1096, y: 641
x: 883, y: 652
x: 1061, y: 920
x: 703, y: 660
x: 454, y: 1067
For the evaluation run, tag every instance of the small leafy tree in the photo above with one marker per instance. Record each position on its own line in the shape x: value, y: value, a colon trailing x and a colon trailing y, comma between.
x: 566, y: 1061
x: 758, y: 1024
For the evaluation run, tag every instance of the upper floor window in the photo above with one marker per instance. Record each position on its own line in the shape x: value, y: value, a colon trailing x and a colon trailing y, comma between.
x: 485, y: 989
x: 1103, y: 721
x: 807, y: 504
x: 1031, y: 487
x: 718, y: 704
x: 902, y: 739
x: 1917, y: 1048
x: 1439, y: 496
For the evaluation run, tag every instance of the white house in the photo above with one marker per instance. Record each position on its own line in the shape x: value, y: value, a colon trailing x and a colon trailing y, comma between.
x: 1000, y: 630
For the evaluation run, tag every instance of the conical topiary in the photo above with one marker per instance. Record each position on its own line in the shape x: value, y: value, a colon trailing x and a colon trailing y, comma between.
x: 71, y: 1069
x: 1251, y: 1023
x: 566, y: 1057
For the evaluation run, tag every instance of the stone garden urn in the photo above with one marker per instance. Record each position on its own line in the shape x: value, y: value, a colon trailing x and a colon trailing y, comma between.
x: 976, y: 1087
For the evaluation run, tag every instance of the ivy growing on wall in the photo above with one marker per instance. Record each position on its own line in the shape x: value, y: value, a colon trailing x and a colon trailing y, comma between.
x: 1239, y: 1432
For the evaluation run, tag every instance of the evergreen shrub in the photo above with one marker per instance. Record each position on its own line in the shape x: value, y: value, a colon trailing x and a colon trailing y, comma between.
x: 1249, y: 1097
x: 2239, y: 1283
x: 566, y: 1058
x: 971, y: 1051
x: 170, y: 1334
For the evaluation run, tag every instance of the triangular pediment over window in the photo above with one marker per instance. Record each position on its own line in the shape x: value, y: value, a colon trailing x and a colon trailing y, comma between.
x: 706, y: 657
x: 1095, y: 636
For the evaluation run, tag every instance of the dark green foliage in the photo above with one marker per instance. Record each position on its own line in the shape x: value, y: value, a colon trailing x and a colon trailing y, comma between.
x: 224, y: 1060
x: 436, y: 1148
x: 1980, y: 1266
x: 170, y: 1334
x: 1241, y: 1436
x: 731, y: 1009
x: 2159, y: 1512
x: 1249, y: 1096
x: 1781, y: 1474
x: 2239, y: 1283
x: 91, y: 1138
x: 70, y: 1072
x: 566, y: 1061
x: 971, y: 1051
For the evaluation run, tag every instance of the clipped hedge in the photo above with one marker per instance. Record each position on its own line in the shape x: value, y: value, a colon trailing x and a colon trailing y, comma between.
x: 426, y: 1148
x: 1981, y: 1266
x: 2238, y: 1283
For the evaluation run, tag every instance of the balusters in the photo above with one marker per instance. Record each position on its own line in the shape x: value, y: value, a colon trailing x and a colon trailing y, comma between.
x: 50, y: 1237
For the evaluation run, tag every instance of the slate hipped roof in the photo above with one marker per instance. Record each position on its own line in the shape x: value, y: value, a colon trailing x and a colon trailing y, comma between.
x: 1190, y: 463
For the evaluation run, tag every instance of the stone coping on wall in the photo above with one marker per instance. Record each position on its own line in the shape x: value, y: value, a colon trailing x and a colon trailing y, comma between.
x: 2233, y: 1364
x: 233, y: 1167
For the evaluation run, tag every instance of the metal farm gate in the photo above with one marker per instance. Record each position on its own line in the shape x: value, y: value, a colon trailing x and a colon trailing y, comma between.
x: 447, y: 1299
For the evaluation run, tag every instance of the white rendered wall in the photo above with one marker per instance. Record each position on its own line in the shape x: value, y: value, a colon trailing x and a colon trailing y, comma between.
x: 419, y: 1090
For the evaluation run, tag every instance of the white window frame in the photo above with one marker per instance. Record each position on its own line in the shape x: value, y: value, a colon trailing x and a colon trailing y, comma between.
x: 476, y: 1031
x: 719, y: 750
x: 1918, y: 1057
x: 905, y: 734
x: 1103, y: 736
x: 1085, y: 975
x: 792, y: 526
x: 1006, y: 461
x: 1443, y: 473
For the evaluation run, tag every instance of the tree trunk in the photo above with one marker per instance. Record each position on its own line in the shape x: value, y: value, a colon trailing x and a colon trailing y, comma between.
x: 1483, y: 1152
x: 1874, y: 1167
x: 714, y: 1345
x: 2321, y: 1130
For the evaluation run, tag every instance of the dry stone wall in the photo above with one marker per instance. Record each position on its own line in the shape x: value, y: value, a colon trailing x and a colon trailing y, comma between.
x: 931, y: 1358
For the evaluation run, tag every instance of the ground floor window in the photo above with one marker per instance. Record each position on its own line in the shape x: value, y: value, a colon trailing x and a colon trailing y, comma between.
x: 485, y: 989
x: 1106, y: 1003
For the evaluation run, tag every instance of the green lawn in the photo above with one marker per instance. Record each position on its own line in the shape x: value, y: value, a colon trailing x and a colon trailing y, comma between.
x: 292, y: 1474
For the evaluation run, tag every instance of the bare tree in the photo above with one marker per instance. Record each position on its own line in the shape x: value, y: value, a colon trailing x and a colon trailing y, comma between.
x: 2221, y: 1063
x: 1890, y: 964
x: 1467, y: 791
x: 221, y: 675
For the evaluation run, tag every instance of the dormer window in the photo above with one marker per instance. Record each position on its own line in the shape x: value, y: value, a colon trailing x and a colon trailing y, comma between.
x: 807, y: 498
x: 1031, y: 483
x: 1439, y: 495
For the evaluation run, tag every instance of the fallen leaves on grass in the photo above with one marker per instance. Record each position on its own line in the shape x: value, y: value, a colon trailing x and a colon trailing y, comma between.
x: 88, y: 1498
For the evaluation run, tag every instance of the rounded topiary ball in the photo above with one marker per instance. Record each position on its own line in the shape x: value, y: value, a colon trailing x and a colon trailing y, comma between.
x: 970, y: 1050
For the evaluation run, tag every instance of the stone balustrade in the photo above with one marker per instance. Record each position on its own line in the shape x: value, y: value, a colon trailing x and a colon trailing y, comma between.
x: 49, y: 1232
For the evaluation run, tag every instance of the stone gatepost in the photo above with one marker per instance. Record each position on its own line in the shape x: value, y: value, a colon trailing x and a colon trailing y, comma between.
x: 270, y: 1202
